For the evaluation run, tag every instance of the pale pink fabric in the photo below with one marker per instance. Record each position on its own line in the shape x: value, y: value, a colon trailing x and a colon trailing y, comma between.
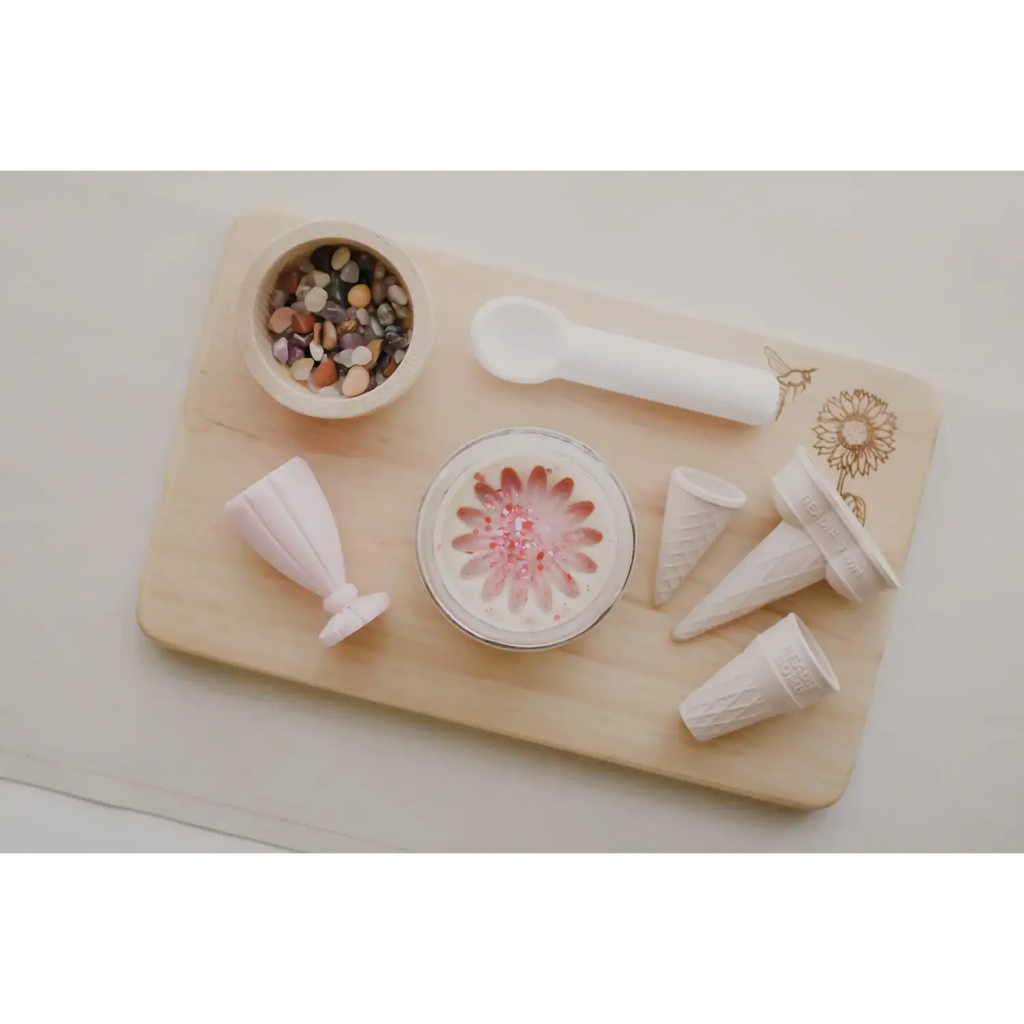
x: 286, y: 519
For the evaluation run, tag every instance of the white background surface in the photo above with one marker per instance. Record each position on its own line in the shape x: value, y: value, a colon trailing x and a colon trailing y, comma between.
x: 103, y: 286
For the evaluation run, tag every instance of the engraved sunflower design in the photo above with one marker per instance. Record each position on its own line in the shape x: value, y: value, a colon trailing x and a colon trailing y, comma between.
x: 856, y: 433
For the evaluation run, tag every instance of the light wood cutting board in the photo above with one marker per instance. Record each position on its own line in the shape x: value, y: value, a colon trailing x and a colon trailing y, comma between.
x: 614, y: 693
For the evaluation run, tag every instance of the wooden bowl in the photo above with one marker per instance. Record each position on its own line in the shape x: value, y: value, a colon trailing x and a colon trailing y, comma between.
x: 255, y: 338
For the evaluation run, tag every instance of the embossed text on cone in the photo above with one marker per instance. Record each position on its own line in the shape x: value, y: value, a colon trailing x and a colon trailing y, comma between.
x: 697, y: 509
x: 782, y: 670
x: 819, y: 538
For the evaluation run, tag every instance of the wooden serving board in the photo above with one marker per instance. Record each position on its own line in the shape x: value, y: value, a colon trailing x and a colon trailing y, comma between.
x: 614, y: 693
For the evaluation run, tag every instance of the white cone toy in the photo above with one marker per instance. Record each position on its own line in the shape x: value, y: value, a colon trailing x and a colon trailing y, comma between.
x: 696, y: 511
x: 819, y: 538
x: 781, y: 671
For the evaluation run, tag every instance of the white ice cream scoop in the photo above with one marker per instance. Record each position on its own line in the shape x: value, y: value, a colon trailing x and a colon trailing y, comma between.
x: 528, y: 342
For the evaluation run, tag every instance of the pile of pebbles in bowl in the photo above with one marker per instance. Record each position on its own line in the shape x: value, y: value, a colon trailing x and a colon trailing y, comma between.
x: 340, y: 321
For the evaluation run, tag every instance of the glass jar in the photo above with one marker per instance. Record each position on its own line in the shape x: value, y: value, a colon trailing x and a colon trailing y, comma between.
x: 525, y: 538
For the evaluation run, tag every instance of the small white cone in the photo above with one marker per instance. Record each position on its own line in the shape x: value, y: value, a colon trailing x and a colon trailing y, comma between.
x: 781, y: 671
x: 819, y: 538
x: 786, y: 561
x: 696, y: 511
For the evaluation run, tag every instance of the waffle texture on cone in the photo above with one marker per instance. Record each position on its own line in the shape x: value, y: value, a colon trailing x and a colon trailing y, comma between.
x: 781, y: 671
x: 697, y: 509
x: 819, y: 538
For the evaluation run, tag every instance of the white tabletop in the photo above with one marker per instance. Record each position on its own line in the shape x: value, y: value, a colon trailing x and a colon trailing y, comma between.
x: 103, y: 285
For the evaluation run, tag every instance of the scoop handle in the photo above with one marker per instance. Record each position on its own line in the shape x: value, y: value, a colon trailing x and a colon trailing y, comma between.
x: 660, y: 373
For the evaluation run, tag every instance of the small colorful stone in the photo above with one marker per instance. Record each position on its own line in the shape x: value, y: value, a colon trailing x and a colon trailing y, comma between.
x: 396, y: 293
x: 316, y: 351
x: 306, y: 267
x: 337, y: 290
x: 295, y: 352
x: 348, y: 326
x: 289, y: 281
x: 352, y: 340
x: 363, y: 316
x: 340, y: 257
x: 303, y: 290
x: 302, y: 368
x: 385, y: 314
x: 316, y: 300
x: 374, y: 347
x: 333, y: 312
x: 280, y: 350
x: 358, y: 296
x: 344, y: 358
x: 303, y: 322
x: 281, y: 320
x: 407, y: 317
x: 279, y: 298
x: 299, y: 306
x: 329, y: 336
x: 357, y: 380
x: 361, y: 356
x: 325, y: 374
x: 391, y: 367
x: 321, y: 258
x: 350, y: 272
x: 399, y: 356
x: 380, y: 271
x: 376, y: 327
x: 321, y: 279
x: 379, y: 293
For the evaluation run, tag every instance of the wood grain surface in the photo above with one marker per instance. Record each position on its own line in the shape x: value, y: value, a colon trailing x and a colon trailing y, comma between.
x: 614, y: 693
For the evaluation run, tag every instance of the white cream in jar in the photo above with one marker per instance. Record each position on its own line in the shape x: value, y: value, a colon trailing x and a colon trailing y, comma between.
x: 525, y: 538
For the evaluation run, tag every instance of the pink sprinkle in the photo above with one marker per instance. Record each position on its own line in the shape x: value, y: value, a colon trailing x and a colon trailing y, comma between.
x: 557, y: 617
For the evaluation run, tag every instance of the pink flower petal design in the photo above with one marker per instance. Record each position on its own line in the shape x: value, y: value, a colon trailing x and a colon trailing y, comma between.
x: 542, y: 589
x: 565, y: 583
x: 563, y: 489
x: 526, y: 539
x: 488, y: 496
x: 477, y: 566
x: 580, y: 510
x: 576, y: 561
x: 473, y: 516
x: 472, y: 542
x: 493, y: 585
x: 511, y: 484
x: 537, y: 483
x: 518, y: 594
x: 583, y: 537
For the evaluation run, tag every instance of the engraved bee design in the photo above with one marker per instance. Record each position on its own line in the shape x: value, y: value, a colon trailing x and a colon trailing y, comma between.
x: 791, y: 382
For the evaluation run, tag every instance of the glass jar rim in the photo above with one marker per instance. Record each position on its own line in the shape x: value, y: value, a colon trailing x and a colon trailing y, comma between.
x: 452, y: 472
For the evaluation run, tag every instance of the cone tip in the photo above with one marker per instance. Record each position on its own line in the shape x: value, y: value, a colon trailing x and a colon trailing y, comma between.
x: 687, y: 630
